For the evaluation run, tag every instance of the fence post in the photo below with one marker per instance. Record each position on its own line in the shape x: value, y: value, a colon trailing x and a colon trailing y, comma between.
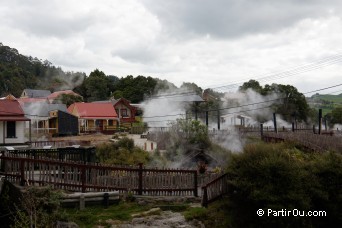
x: 195, y: 183
x: 2, y: 162
x: 275, y: 123
x: 218, y: 120
x: 82, y: 202
x: 106, y: 200
x: 22, y: 172
x: 293, y: 126
x: 262, y: 130
x: 140, y: 173
x: 83, y: 178
x: 319, y: 121
x: 205, y: 197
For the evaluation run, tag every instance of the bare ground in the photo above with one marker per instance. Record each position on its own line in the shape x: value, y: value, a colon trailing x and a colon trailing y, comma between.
x: 93, y: 138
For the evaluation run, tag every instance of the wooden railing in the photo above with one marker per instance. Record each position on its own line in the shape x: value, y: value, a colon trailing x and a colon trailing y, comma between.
x: 84, y: 155
x: 75, y: 176
x: 214, y: 189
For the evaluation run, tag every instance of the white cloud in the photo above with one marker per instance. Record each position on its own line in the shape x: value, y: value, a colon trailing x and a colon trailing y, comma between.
x: 209, y: 43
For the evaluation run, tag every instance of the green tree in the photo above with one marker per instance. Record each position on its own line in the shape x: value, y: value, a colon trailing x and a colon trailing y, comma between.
x: 188, y: 86
x: 68, y: 99
x: 251, y: 84
x: 336, y: 115
x: 96, y: 86
x: 292, y: 103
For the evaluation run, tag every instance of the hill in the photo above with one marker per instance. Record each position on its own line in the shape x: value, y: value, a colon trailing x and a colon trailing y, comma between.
x: 18, y: 72
x: 327, y: 102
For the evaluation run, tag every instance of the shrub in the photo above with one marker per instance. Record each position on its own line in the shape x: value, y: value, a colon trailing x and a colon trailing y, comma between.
x: 275, y: 176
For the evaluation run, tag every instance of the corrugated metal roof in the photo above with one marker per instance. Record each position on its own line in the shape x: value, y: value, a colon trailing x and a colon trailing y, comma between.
x: 42, y: 109
x: 10, y: 108
x: 36, y: 93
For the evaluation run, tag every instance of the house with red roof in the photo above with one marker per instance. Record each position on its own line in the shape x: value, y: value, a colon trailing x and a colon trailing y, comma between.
x: 125, y: 110
x: 12, y: 123
x: 95, y: 117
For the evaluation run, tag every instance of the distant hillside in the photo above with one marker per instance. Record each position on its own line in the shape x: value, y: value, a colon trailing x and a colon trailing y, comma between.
x: 325, y: 101
x: 18, y: 72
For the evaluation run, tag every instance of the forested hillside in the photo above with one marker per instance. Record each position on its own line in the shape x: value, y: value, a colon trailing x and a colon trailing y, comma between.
x: 18, y: 72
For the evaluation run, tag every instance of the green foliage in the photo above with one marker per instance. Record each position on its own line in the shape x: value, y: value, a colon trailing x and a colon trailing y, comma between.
x: 96, y: 215
x: 293, y: 104
x: 276, y: 176
x: 18, y: 72
x: 121, y: 152
x: 187, y: 135
x: 252, y: 84
x: 188, y: 86
x: 196, y: 213
x: 39, y: 207
x: 135, y: 88
x: 96, y: 86
x: 336, y: 115
x: 68, y: 99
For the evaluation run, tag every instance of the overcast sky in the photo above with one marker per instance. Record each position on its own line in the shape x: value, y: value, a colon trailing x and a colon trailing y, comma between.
x: 211, y: 43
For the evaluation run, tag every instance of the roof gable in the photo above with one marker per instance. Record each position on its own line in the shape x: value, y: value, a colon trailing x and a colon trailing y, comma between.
x: 124, y: 102
x: 10, y: 108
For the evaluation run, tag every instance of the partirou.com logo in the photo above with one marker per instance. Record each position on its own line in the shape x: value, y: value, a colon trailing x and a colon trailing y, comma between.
x: 293, y: 212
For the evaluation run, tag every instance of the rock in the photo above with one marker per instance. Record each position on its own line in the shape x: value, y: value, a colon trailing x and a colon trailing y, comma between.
x: 165, y: 219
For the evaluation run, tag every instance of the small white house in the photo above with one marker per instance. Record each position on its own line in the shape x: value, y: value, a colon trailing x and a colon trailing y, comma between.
x: 12, y: 123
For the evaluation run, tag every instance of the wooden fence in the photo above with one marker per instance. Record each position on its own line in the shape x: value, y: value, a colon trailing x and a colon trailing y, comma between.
x: 80, y: 177
x: 315, y: 142
x: 84, y: 154
x: 214, y: 189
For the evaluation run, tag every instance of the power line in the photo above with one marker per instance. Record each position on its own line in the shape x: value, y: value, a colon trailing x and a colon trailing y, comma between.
x: 245, y: 105
x: 294, y: 71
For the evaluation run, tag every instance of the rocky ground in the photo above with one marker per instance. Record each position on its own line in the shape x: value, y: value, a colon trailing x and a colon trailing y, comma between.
x: 156, y: 218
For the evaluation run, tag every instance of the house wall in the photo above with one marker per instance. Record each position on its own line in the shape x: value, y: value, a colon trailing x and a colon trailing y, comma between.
x: 67, y: 124
x: 19, y: 131
x: 118, y: 108
x: 91, y: 124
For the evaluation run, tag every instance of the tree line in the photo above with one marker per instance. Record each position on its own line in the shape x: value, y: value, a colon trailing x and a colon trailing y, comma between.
x: 18, y: 72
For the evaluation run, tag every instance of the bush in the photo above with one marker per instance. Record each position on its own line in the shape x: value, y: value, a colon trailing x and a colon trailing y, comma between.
x: 274, y: 176
x: 121, y: 152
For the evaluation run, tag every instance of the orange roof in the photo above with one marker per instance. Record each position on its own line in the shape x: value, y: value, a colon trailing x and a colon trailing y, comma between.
x: 54, y: 95
x: 93, y: 110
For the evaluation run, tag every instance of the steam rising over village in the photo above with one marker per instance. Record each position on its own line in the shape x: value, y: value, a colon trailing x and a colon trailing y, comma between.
x: 170, y: 114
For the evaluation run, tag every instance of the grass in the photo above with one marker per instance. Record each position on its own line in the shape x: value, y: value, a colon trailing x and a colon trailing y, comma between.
x: 93, y: 216
x: 214, y: 216
x: 97, y: 215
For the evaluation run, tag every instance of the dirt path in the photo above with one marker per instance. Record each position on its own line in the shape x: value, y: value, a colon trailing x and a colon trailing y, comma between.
x: 93, y: 138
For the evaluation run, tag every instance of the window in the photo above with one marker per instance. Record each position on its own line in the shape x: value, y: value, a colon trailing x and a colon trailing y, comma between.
x: 110, y: 122
x: 10, y: 129
x: 124, y: 112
